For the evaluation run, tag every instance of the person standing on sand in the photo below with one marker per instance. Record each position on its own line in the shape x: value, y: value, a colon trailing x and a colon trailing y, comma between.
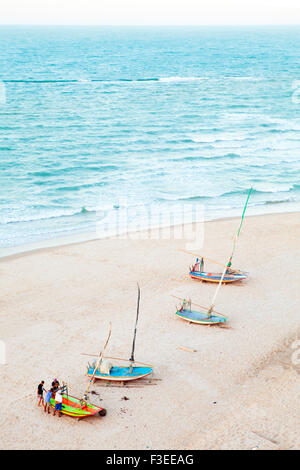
x: 48, y: 400
x: 58, y: 403
x: 40, y: 391
x: 55, y: 385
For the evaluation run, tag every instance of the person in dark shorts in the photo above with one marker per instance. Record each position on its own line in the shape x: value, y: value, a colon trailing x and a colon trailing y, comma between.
x: 40, y: 391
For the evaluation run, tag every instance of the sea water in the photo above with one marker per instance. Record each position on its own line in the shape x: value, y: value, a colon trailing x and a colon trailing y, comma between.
x: 95, y: 119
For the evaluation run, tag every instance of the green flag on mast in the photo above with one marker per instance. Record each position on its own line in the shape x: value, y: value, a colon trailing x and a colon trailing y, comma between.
x: 238, y: 232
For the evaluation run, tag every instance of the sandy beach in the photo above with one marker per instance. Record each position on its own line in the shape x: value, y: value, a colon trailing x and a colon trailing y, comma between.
x: 238, y: 390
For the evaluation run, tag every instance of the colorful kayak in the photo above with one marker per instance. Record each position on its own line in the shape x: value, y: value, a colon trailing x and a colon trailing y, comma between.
x: 72, y: 406
x: 121, y: 373
x: 215, y: 277
x: 195, y: 316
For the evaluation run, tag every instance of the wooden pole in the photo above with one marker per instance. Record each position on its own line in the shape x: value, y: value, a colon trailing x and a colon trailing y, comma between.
x: 211, y: 308
x: 184, y: 348
x: 135, y: 327
x: 200, y: 256
x: 201, y: 306
x: 116, y: 359
x: 99, y: 361
x: 237, y: 271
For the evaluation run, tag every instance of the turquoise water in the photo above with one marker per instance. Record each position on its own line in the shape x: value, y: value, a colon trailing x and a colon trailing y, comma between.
x: 96, y: 119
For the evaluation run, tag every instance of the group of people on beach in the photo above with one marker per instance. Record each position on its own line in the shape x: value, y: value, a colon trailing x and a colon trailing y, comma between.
x: 55, y: 393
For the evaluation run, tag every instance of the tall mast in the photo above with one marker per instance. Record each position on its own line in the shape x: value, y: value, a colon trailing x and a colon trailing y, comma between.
x: 239, y: 229
x: 136, y: 322
x: 230, y: 258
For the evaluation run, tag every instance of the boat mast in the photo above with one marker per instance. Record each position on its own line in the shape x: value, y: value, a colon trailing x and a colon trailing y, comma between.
x: 216, y: 293
x: 230, y: 258
x: 135, y: 328
x: 98, y: 363
x: 239, y: 229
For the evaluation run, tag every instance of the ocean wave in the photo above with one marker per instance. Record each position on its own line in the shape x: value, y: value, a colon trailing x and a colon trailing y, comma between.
x: 80, y: 81
x: 61, y: 171
x: 180, y: 79
x: 45, y: 81
x: 105, y: 80
x: 219, y: 138
x: 204, y: 157
x: 267, y: 190
x: 250, y: 78
x: 272, y: 202
x: 184, y: 198
x: 62, y: 213
x: 106, y: 209
x: 170, y: 79
x: 54, y: 215
x: 240, y: 192
x: 78, y: 187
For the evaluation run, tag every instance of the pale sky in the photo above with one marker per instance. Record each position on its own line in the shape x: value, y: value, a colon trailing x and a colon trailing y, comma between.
x: 149, y: 12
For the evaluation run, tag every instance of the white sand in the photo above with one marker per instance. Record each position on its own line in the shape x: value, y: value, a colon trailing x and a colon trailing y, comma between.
x: 234, y: 392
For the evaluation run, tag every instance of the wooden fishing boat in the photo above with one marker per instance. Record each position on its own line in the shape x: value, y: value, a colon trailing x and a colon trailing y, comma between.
x: 105, y: 370
x: 78, y: 408
x: 231, y: 275
x: 205, y: 317
x: 121, y: 373
x: 210, y: 316
x: 195, y: 273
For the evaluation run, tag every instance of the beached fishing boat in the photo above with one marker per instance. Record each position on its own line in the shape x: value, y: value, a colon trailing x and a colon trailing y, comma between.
x: 231, y: 275
x: 186, y: 312
x: 105, y: 370
x: 210, y: 316
x: 205, y: 316
x: 78, y: 408
x: 120, y: 373
x: 197, y: 273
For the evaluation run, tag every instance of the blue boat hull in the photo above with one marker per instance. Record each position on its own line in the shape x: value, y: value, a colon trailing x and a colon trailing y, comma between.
x: 193, y: 316
x: 216, y: 277
x: 121, y: 373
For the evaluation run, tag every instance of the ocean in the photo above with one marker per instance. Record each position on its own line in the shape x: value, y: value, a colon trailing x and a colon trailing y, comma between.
x: 95, y: 120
